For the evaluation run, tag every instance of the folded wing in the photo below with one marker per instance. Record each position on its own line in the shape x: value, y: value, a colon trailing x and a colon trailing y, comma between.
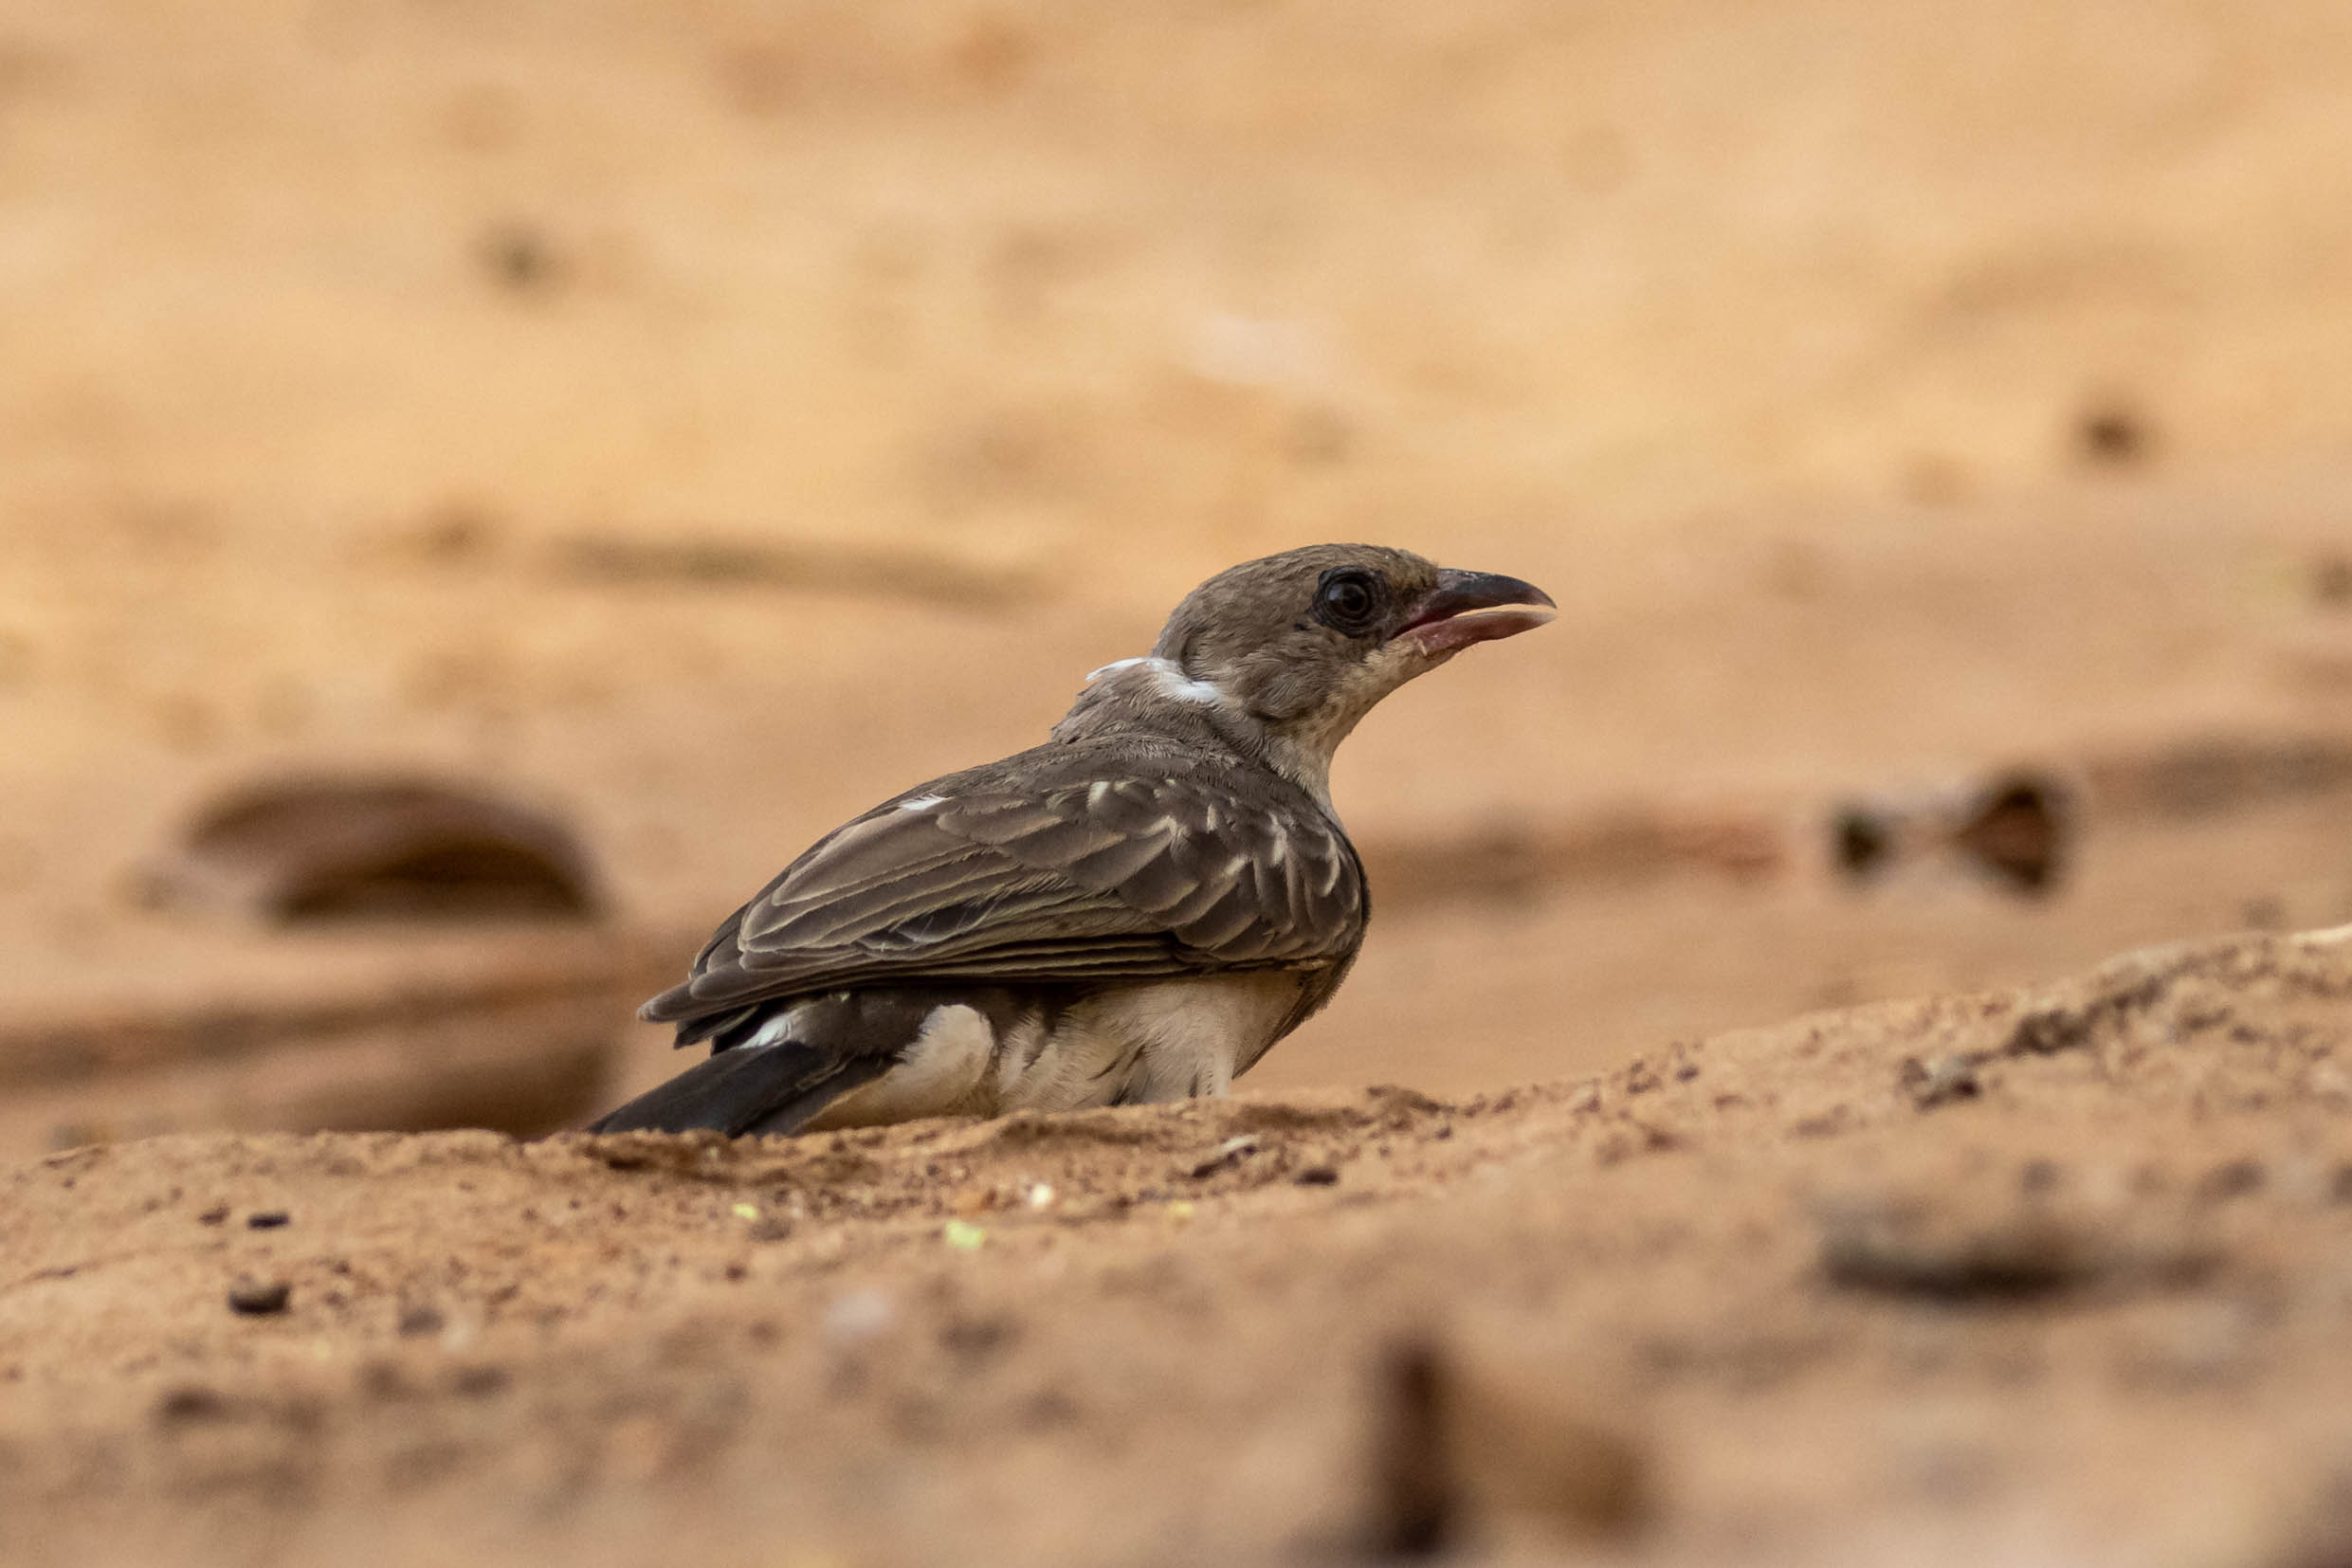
x: 1088, y: 880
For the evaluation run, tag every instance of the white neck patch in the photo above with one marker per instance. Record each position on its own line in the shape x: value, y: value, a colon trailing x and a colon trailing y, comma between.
x: 1168, y: 679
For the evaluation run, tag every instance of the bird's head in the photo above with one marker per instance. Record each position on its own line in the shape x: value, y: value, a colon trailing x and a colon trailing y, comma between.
x: 1301, y: 645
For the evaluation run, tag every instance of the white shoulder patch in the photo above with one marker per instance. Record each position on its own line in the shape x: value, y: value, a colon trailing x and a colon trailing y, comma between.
x: 920, y: 802
x: 1173, y: 682
x: 1167, y: 678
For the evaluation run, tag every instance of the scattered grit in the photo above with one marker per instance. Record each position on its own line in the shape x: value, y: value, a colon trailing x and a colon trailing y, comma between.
x: 2063, y: 1275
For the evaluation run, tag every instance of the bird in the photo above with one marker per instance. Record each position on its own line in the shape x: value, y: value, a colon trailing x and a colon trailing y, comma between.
x: 1133, y: 912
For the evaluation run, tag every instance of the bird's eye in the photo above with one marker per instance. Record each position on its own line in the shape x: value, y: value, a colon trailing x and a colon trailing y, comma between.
x: 1348, y: 601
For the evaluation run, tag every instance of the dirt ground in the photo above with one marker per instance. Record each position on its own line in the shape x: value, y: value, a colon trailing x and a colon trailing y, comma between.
x: 701, y: 422
x: 2055, y: 1276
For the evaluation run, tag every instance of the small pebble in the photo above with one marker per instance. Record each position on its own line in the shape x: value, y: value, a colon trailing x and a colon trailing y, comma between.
x: 267, y: 1219
x: 480, y: 1382
x: 258, y: 1297
x: 1940, y: 1082
x: 192, y: 1403
x: 1318, y: 1176
x: 1233, y: 1151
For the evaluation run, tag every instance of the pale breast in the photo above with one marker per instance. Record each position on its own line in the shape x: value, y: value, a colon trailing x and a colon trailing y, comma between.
x: 1170, y: 1040
x: 1134, y: 1044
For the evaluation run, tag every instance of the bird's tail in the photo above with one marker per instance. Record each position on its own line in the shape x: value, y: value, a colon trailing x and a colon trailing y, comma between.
x: 773, y: 1088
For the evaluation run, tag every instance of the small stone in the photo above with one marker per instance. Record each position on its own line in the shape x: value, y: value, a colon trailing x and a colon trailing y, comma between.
x: 190, y: 1404
x: 480, y: 1382
x: 267, y: 1219
x: 258, y: 1299
x: 1318, y: 1176
x: 1940, y: 1082
x: 2113, y: 433
x: 217, y: 1214
x: 1232, y: 1152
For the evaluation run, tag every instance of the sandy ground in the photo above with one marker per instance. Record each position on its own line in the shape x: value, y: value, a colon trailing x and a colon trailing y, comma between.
x: 2056, y: 1276
x: 702, y: 422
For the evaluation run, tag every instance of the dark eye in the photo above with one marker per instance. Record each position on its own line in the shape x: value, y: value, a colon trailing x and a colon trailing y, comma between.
x: 1348, y: 601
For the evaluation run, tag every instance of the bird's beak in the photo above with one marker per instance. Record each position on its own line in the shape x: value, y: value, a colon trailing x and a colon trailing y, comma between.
x: 1475, y: 606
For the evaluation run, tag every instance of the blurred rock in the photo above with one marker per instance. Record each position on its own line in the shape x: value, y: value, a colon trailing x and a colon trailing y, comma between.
x: 717, y: 562
x: 2209, y: 776
x: 383, y: 848
x: 2115, y: 434
x: 1471, y: 1453
x: 2017, y: 829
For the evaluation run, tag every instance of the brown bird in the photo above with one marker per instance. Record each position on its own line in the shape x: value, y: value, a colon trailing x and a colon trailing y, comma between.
x: 1133, y: 911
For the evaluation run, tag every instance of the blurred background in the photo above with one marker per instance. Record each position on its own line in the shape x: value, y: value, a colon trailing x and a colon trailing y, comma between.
x: 677, y: 425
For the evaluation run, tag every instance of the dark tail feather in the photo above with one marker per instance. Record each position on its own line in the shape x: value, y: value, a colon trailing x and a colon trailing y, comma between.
x: 751, y: 1089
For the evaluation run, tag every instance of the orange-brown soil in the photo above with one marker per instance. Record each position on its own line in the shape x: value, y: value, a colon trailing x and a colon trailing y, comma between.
x: 704, y: 421
x: 2050, y: 1276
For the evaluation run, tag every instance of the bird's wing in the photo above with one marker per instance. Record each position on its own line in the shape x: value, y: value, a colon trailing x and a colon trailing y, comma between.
x: 1122, y: 878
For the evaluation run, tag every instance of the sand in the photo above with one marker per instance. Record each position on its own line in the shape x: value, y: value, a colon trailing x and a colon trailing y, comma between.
x: 2053, y: 1275
x: 702, y: 423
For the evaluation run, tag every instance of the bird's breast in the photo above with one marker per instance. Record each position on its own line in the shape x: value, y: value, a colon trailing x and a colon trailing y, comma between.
x: 1138, y: 1043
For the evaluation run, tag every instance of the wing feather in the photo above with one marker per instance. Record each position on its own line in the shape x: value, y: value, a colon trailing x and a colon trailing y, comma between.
x: 1093, y: 875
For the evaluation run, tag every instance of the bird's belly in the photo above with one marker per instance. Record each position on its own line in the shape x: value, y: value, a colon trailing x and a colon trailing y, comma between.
x: 1170, y: 1040
x: 943, y: 1072
x: 1167, y: 1041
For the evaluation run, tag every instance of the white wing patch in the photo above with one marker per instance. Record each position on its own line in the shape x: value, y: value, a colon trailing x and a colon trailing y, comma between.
x: 780, y: 1027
